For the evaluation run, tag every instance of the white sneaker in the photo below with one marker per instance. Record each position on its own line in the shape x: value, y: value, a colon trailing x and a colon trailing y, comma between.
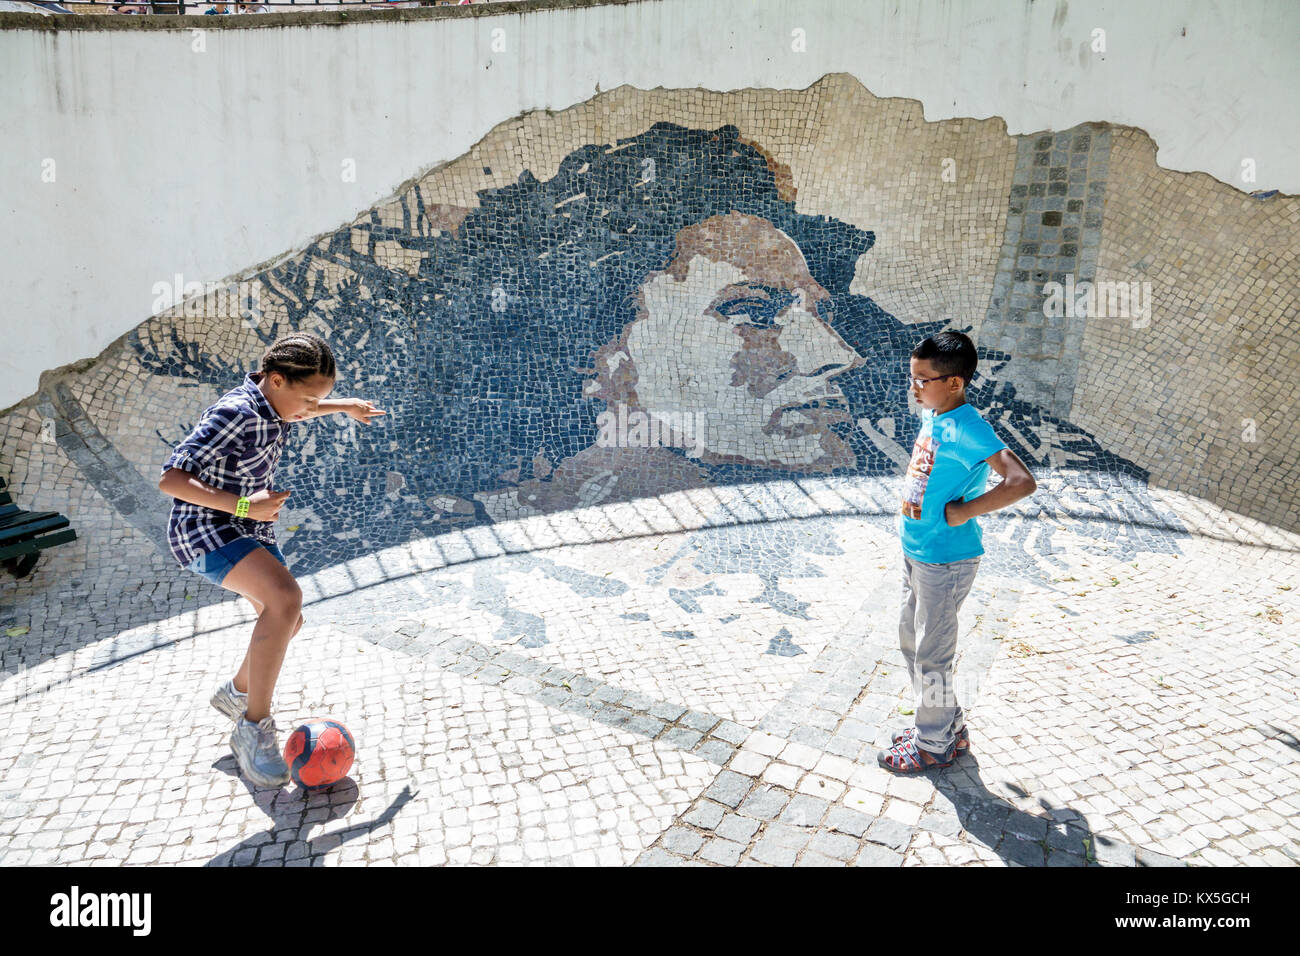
x: 229, y: 701
x: 258, y: 752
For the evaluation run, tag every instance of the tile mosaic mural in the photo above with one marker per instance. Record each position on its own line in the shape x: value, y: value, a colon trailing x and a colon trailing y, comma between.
x: 655, y: 317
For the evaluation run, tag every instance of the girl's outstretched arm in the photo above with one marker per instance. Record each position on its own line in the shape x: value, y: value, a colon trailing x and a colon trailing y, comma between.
x: 358, y: 408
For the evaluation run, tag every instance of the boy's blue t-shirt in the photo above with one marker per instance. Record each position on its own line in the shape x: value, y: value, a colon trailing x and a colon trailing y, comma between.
x: 948, y: 462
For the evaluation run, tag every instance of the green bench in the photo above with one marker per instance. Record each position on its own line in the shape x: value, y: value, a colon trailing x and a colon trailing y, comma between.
x: 24, y: 534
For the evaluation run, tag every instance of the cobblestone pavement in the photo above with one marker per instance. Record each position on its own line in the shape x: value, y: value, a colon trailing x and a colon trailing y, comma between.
x: 639, y: 701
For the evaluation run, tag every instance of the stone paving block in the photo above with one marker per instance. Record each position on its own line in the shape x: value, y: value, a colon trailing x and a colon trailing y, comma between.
x: 822, y: 719
x: 776, y: 725
x: 732, y: 732
x: 558, y: 675
x: 519, y: 684
x: 870, y: 777
x: 1064, y: 837
x: 984, y: 817
x: 1030, y: 828
x: 912, y: 789
x: 552, y: 696
x: 764, y: 803
x: 925, y: 856
x: 682, y: 841
x: 644, y: 725
x: 749, y: 763
x: 843, y: 747
x: 766, y: 744
x: 715, y: 751
x: 890, y: 833
x: 525, y: 665
x: 681, y: 737
x: 805, y: 811
x: 792, y: 836
x: 908, y: 814
x: 1112, y: 853
x: 510, y: 660
x: 857, y: 730
x: 944, y: 823
x: 698, y: 720
x: 1144, y: 857
x: 581, y: 705
x: 772, y: 853
x: 834, y: 768
x: 838, y: 846
x: 813, y: 858
x: 658, y: 857
x: 822, y: 787
x: 722, y: 852
x: 634, y: 700
x: 608, y: 693
x: 704, y: 815
x: 579, y: 684
x: 874, y: 855
x: 796, y: 838
x: 783, y: 775
x: 737, y: 828
x: 1013, y: 849
x: 801, y: 756
x: 729, y: 788
x: 849, y: 821
x: 1062, y: 858
x: 614, y: 716
x: 810, y: 736
x: 666, y: 711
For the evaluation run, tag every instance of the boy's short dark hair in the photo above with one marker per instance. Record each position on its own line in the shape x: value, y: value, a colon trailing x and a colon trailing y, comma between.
x: 951, y: 353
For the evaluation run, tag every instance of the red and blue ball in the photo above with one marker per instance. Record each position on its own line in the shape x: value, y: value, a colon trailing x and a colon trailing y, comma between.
x: 319, y: 753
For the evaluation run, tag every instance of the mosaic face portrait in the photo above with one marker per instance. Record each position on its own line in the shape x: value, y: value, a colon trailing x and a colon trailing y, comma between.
x: 732, y: 334
x: 662, y: 284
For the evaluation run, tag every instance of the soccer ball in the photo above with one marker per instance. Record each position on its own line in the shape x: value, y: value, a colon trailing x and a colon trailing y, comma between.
x: 319, y: 753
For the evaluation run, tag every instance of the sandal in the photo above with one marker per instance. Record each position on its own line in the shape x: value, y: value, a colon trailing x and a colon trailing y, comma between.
x: 906, y: 757
x: 963, y: 738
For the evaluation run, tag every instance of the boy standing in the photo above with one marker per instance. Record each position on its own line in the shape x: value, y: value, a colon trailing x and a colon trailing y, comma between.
x: 942, y: 544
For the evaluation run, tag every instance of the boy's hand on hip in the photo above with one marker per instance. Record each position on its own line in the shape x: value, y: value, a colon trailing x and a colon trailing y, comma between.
x: 953, y: 513
x: 265, y: 505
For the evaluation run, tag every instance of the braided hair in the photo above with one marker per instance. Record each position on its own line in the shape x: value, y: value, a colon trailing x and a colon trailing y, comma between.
x: 298, y: 356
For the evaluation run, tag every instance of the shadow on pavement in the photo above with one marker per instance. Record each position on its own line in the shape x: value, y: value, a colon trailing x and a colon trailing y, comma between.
x: 294, y: 811
x: 1061, y: 836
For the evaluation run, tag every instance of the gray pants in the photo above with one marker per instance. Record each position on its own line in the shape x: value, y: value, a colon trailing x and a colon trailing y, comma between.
x: 927, y: 636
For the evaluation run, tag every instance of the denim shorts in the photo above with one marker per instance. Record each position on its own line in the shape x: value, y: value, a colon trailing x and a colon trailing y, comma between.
x: 215, y: 565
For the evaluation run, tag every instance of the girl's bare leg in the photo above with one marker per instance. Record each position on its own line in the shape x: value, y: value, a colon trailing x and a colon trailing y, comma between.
x: 261, y: 578
x: 240, y: 680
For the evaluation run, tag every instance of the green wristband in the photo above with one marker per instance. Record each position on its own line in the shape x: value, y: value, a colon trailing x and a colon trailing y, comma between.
x: 241, y: 507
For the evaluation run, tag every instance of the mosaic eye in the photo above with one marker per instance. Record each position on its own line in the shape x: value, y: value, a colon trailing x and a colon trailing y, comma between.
x: 754, y: 311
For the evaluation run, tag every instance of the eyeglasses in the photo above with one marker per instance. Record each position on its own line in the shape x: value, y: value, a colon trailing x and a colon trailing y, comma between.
x: 920, y: 382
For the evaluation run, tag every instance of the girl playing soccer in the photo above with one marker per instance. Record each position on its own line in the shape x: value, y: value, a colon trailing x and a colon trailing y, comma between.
x: 222, y: 523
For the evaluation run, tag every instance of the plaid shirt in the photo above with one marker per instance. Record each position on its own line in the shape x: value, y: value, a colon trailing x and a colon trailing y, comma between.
x: 234, y: 447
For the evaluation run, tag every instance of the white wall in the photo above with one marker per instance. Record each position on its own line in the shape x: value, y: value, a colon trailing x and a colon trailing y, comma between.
x: 169, y: 160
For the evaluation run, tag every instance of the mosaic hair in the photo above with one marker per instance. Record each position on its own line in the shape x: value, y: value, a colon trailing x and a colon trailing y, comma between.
x: 298, y: 356
x: 951, y: 353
